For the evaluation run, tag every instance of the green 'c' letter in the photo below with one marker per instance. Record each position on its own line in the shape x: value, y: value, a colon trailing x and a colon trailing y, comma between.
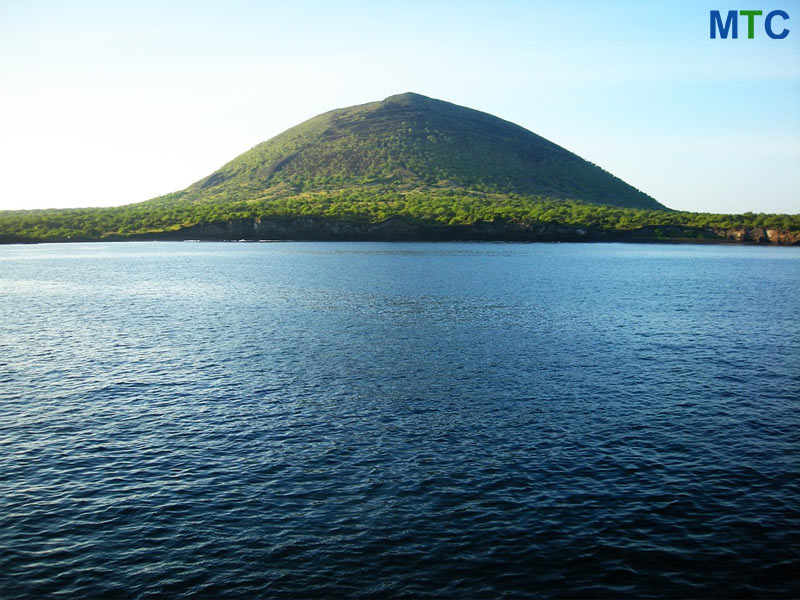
x: 751, y: 22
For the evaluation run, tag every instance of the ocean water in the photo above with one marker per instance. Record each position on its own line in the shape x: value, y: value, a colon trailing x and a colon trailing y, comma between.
x: 408, y: 420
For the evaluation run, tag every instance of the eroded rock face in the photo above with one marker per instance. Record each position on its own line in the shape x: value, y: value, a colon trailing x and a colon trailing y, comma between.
x: 785, y: 238
x: 755, y: 234
x: 759, y: 235
x: 397, y: 229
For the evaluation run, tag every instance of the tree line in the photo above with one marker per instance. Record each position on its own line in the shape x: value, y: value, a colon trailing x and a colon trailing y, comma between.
x: 440, y: 206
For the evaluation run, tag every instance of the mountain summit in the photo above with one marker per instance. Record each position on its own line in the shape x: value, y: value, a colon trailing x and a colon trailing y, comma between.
x: 412, y: 142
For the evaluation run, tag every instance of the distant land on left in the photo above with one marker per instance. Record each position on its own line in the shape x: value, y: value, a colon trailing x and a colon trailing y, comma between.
x: 405, y: 168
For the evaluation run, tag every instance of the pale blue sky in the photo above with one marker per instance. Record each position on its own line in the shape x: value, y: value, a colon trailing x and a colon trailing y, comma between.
x: 105, y: 103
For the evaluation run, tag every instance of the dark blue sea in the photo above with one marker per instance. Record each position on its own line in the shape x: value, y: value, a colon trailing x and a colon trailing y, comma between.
x: 222, y: 420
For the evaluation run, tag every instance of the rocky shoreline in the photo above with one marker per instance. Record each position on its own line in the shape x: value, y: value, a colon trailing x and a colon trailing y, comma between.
x: 397, y: 229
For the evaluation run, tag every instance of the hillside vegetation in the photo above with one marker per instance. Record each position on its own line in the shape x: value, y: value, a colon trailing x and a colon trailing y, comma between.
x: 443, y: 207
x: 410, y: 142
x: 408, y: 157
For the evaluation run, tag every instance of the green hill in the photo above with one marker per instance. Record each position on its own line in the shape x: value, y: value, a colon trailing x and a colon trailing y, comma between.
x: 409, y: 167
x: 410, y: 142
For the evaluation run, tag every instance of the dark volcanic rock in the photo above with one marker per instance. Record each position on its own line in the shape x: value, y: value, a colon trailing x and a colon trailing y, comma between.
x: 397, y: 229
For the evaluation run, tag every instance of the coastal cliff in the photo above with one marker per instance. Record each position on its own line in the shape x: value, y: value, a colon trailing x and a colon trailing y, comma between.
x: 398, y: 229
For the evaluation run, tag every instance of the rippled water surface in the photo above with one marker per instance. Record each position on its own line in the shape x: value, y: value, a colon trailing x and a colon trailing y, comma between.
x: 456, y: 420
